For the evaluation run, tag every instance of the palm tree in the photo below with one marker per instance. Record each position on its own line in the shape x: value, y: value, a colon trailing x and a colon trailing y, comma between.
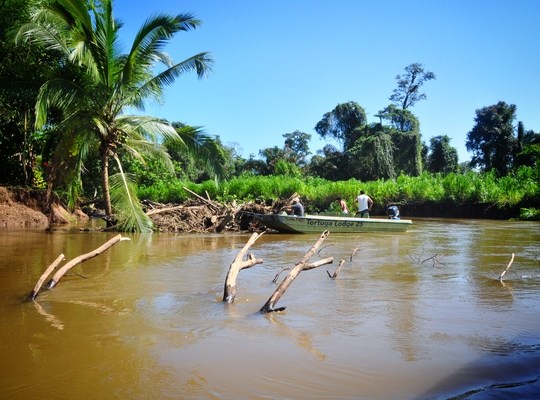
x: 94, y: 101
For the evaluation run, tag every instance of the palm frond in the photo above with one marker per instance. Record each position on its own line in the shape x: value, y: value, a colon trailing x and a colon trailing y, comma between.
x: 201, y: 63
x: 60, y: 93
x: 150, y: 128
x: 130, y: 215
x: 203, y: 148
x: 68, y: 163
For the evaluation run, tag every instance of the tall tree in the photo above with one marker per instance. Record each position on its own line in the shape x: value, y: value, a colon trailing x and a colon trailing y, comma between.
x: 297, y: 146
x: 492, y: 140
x: 407, y: 93
x: 442, y: 157
x: 93, y: 106
x: 342, y: 124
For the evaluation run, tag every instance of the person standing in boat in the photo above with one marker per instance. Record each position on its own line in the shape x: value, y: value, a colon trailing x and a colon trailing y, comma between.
x: 364, y: 205
x: 342, y: 205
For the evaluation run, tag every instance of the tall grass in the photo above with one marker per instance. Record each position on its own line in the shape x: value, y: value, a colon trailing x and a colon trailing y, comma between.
x: 319, y: 194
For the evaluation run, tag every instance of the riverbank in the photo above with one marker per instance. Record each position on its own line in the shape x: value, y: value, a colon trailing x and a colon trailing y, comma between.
x: 26, y: 208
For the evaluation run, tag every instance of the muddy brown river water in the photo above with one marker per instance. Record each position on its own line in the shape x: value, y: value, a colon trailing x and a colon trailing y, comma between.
x: 415, y: 315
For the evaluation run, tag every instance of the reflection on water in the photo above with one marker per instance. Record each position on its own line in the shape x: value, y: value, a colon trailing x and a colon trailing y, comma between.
x: 413, y: 315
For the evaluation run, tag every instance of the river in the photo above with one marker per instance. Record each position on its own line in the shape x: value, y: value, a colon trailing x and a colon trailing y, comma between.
x: 414, y: 315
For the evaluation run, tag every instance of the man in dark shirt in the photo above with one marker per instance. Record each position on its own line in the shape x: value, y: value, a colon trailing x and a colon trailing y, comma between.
x: 297, y: 208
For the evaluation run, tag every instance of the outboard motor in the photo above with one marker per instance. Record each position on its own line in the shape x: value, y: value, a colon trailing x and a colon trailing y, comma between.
x: 393, y: 212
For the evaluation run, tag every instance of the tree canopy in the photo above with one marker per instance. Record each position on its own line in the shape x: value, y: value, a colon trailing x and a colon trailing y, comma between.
x: 442, y: 157
x: 342, y: 123
x: 407, y: 93
x: 492, y: 139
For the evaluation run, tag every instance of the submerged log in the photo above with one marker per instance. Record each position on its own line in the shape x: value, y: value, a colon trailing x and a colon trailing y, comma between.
x: 44, y: 276
x: 77, y: 260
x: 301, y: 266
x: 229, y: 291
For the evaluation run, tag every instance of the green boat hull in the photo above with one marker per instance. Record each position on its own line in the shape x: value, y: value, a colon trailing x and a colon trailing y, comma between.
x: 319, y: 223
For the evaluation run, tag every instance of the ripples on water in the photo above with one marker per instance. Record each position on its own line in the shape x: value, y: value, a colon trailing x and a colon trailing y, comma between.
x: 412, y: 316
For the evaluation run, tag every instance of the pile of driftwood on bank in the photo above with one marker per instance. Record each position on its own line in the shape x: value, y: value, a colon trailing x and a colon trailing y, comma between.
x: 204, y: 215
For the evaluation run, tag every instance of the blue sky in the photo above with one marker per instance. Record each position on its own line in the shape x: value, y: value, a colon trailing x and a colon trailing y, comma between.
x: 280, y: 65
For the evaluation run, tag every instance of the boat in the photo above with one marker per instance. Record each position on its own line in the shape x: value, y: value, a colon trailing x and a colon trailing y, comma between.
x: 338, y: 224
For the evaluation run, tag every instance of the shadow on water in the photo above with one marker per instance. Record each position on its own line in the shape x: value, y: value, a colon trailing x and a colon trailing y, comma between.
x: 510, y: 371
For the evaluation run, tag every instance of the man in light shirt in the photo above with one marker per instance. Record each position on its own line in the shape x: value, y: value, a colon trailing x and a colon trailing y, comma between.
x: 364, y: 205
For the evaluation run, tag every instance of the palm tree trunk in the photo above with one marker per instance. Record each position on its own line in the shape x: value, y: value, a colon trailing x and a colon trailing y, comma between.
x: 105, y: 184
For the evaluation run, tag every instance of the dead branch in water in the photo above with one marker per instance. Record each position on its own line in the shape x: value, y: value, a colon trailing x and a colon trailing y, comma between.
x: 507, y: 268
x: 342, y: 262
x: 335, y: 274
x: 44, y: 276
x: 436, y: 260
x: 354, y: 252
x: 302, y: 265
x: 279, y: 273
x: 77, y: 260
x: 229, y: 291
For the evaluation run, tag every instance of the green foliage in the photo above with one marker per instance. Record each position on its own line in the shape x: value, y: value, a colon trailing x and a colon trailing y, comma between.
x: 400, y: 119
x: 530, y: 214
x: 297, y: 147
x: 408, y: 91
x: 341, y: 123
x: 372, y: 157
x: 408, y: 152
x: 283, y: 167
x: 130, y: 215
x: 319, y: 194
x: 330, y: 163
x: 92, y: 102
x: 492, y: 140
x: 442, y: 157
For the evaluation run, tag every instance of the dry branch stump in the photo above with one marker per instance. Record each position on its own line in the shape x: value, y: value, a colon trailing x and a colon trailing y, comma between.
x: 304, y: 264
x: 229, y: 290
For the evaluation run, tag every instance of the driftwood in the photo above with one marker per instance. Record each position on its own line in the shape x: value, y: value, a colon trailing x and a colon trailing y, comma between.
x: 279, y: 273
x: 353, y: 253
x: 229, y: 291
x: 316, y: 264
x: 507, y: 268
x: 341, y: 263
x: 44, y: 276
x: 209, y: 202
x: 336, y: 272
x: 161, y: 210
x: 77, y: 260
x: 301, y: 266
